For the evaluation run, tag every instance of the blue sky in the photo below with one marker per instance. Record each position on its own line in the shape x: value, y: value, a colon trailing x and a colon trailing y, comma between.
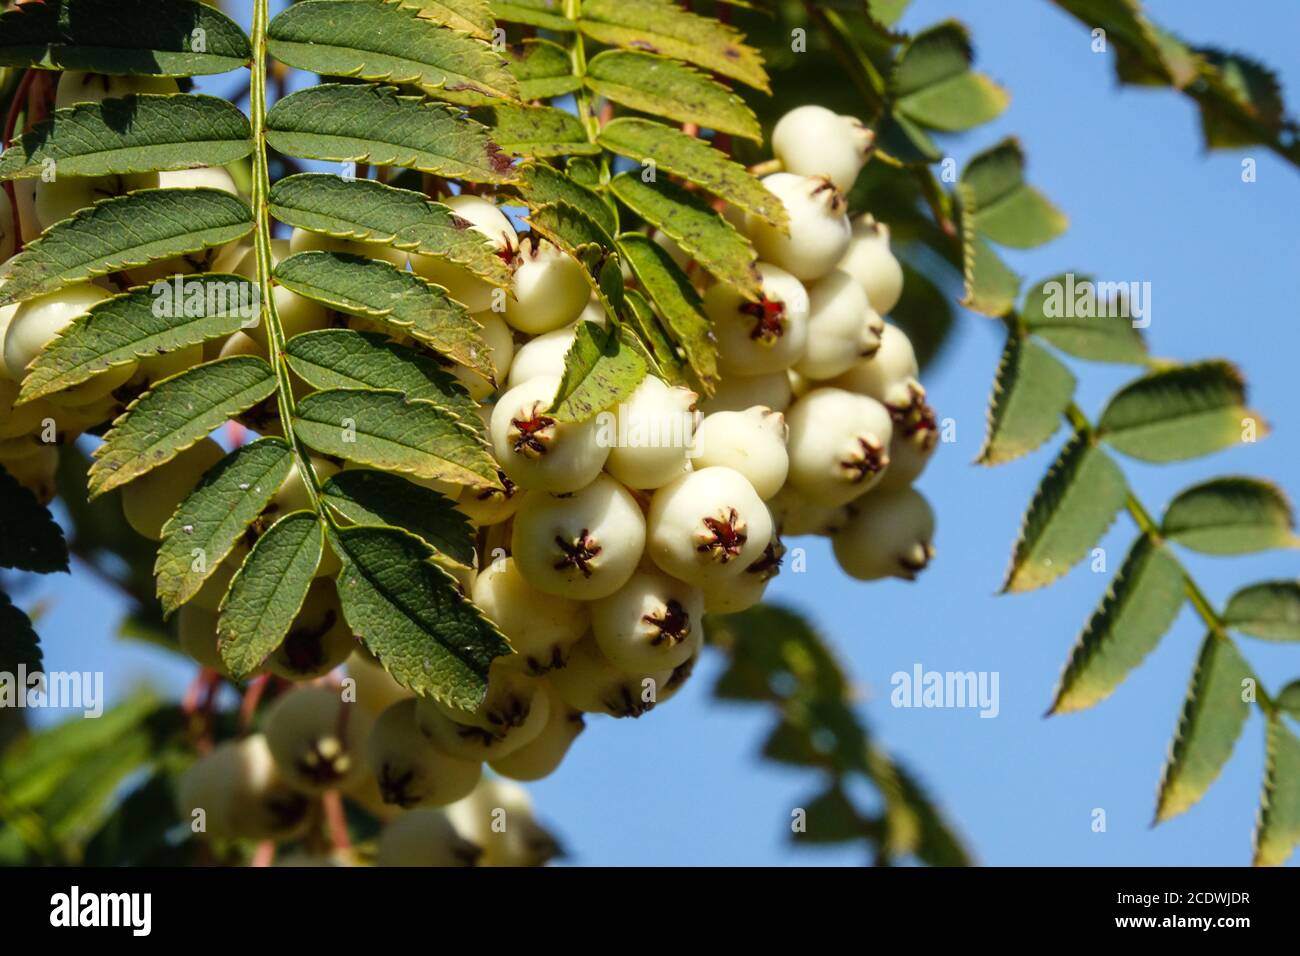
x: 684, y: 785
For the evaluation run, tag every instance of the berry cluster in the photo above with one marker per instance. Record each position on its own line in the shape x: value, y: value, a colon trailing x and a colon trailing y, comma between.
x: 607, y: 541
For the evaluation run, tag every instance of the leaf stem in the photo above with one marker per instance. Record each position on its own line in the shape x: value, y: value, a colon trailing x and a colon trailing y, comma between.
x: 578, y: 58
x: 262, y: 247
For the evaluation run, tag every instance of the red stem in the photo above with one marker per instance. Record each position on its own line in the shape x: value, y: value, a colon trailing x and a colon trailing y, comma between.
x: 335, y: 818
x: 16, y: 106
x: 252, y: 697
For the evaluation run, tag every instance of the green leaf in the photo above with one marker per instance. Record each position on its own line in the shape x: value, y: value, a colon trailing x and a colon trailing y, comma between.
x: 375, y: 124
x: 676, y: 301
x: 547, y: 14
x: 1208, y: 729
x: 19, y: 645
x: 214, y: 516
x: 122, y: 232
x: 1231, y: 516
x: 378, y: 290
x: 1270, y: 610
x: 468, y: 16
x: 573, y: 231
x: 1072, y: 508
x: 368, y: 497
x: 1179, y: 413
x: 1030, y: 395
x: 411, y: 615
x: 139, y: 37
x: 925, y: 313
x: 1288, y: 698
x: 1004, y: 207
x: 660, y: 353
x: 1085, y: 318
x: 898, y: 138
x: 268, y: 591
x: 599, y: 372
x: 669, y: 88
x: 30, y: 540
x: 542, y: 69
x: 831, y: 817
x: 342, y: 358
x: 369, y: 211
x: 991, y: 287
x: 384, y: 430
x: 128, y: 327
x: 694, y: 160
x: 1277, y: 830
x: 536, y: 131
x: 934, y: 85
x: 175, y: 414
x: 542, y: 185
x: 133, y: 134
x: 660, y: 26
x: 695, y: 226
x: 1139, y: 607
x: 389, y: 43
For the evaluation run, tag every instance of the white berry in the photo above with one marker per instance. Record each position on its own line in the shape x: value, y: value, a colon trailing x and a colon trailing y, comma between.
x: 842, y: 327
x: 550, y: 288
x: 585, y: 545
x: 649, y: 435
x: 590, y: 683
x: 498, y: 816
x: 411, y: 771
x: 708, y: 526
x: 319, y: 639
x: 889, y: 535
x: 889, y: 376
x: 424, y: 837
x: 747, y: 589
x: 839, y: 444
x: 869, y: 260
x: 541, y: 627
x: 241, y: 794
x: 512, y: 713
x: 374, y: 687
x: 464, y: 286
x: 764, y: 336
x: 542, y: 357
x: 797, y: 514
x: 501, y: 352
x: 814, y: 141
x: 536, y: 450
x: 651, y: 623
x: 544, y: 753
x: 735, y: 393
x: 751, y: 442
x: 316, y: 738
x: 819, y: 226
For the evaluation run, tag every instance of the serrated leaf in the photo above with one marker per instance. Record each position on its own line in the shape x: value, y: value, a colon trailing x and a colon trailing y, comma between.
x: 214, y: 516
x: 991, y: 288
x: 694, y: 160
x: 660, y: 351
x: 19, y: 644
x: 127, y: 328
x: 1139, y: 607
x: 175, y: 414
x: 410, y: 614
x: 536, y: 131
x: 378, y: 290
x: 1004, y: 207
x: 547, y: 14
x: 1270, y: 610
x: 573, y: 231
x: 368, y: 497
x: 30, y: 540
x: 343, y: 358
x: 1030, y: 394
x: 659, y: 26
x: 542, y: 185
x: 1277, y: 830
x: 1085, y: 318
x: 669, y: 88
x: 1231, y: 516
x: 469, y: 16
x: 268, y: 591
x: 693, y: 224
x: 934, y: 85
x: 369, y: 211
x: 133, y: 134
x: 542, y: 69
x: 122, y: 232
x: 1075, y: 503
x: 1207, y: 732
x: 384, y: 430
x: 375, y: 124
x: 599, y: 372
x: 676, y: 301
x: 1179, y: 413
x: 388, y: 43
x: 89, y: 35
